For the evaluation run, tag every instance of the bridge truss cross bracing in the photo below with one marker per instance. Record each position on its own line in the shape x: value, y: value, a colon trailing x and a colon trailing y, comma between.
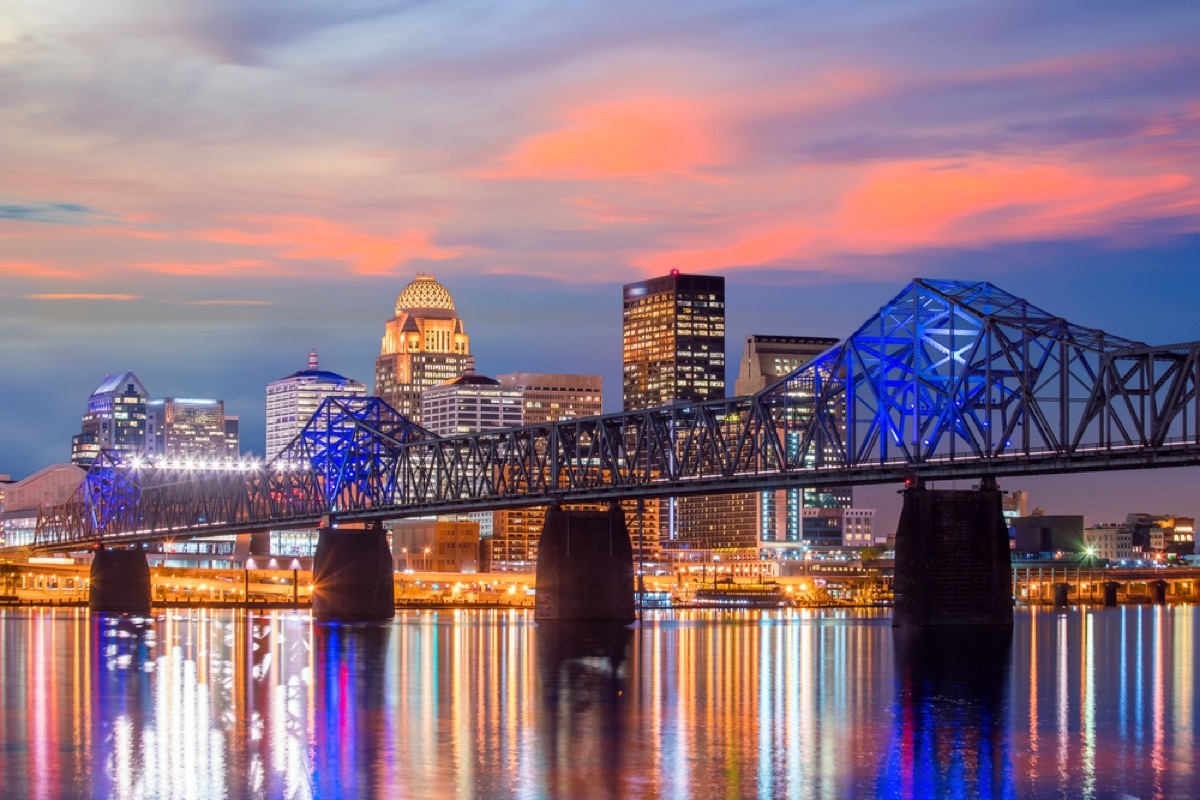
x: 948, y: 380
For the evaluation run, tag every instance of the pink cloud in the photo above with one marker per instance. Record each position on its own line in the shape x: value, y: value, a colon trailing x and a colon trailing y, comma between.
x: 310, y: 238
x: 913, y: 205
x: 620, y: 139
x: 82, y: 296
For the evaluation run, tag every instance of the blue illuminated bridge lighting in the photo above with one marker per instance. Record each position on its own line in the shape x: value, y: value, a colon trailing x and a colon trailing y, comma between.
x: 948, y: 380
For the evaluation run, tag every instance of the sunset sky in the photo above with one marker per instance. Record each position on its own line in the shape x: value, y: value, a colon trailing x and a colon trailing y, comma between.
x: 203, y: 191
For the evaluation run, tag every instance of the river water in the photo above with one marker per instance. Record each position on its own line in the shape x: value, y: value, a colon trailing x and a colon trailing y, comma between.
x: 688, y: 704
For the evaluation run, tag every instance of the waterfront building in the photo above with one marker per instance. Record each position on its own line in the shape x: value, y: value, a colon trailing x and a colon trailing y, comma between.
x: 115, y: 420
x: 444, y: 544
x: 179, y: 427
x: 292, y: 401
x: 1048, y: 534
x: 1157, y: 535
x: 23, y: 499
x: 423, y: 346
x: 470, y: 404
x: 1109, y: 542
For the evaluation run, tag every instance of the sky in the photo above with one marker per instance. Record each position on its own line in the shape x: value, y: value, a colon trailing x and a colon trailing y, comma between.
x: 202, y: 191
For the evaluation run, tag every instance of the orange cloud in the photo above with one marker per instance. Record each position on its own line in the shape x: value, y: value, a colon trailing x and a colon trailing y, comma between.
x: 305, y: 238
x: 82, y: 296
x: 238, y: 266
x: 620, y: 139
x: 947, y: 203
x: 748, y: 248
x: 31, y: 270
x: 914, y: 205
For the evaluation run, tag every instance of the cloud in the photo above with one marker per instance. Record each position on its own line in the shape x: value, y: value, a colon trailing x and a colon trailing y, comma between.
x: 312, y: 238
x: 227, y: 302
x: 629, y: 138
x: 82, y: 296
x: 54, y: 213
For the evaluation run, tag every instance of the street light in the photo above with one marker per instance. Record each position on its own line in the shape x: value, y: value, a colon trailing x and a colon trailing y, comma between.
x: 426, y: 561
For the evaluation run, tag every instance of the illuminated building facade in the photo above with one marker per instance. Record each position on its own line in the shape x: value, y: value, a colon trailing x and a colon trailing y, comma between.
x: 292, y: 401
x: 673, y: 348
x: 115, y: 420
x: 423, y: 346
x: 549, y: 397
x: 186, y: 427
x: 469, y: 404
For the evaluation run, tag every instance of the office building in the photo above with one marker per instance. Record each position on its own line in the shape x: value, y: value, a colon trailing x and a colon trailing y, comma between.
x: 766, y: 359
x: 423, y: 346
x: 292, y: 401
x: 673, y: 350
x: 550, y: 397
x: 470, y: 404
x: 673, y: 340
x: 115, y: 420
x: 178, y: 427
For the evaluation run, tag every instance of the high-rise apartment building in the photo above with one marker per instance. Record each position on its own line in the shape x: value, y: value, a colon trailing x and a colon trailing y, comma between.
x: 673, y: 340
x: 292, y: 401
x: 423, y: 346
x: 178, y: 427
x: 115, y: 420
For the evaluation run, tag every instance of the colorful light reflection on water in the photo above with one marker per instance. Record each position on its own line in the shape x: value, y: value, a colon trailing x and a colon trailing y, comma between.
x: 804, y: 704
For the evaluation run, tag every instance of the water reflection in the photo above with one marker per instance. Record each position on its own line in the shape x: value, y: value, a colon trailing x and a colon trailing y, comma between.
x: 951, y: 737
x: 788, y: 703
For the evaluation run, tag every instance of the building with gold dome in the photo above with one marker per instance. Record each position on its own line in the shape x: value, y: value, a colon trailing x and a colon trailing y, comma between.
x: 423, y: 346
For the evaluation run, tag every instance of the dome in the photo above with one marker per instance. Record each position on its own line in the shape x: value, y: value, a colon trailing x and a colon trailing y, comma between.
x: 424, y: 292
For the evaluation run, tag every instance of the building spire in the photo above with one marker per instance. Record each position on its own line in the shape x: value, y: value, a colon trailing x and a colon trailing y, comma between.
x: 312, y: 359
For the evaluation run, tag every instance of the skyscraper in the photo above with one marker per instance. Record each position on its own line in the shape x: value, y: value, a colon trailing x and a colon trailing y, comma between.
x: 115, y: 420
x: 183, y: 427
x: 423, y: 345
x: 292, y: 401
x: 673, y: 350
x: 673, y: 340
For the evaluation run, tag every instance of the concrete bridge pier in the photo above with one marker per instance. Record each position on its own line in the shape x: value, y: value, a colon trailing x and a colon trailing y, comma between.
x: 585, y: 567
x: 352, y: 575
x: 1110, y: 593
x: 120, y: 581
x: 952, y: 559
x: 1158, y: 592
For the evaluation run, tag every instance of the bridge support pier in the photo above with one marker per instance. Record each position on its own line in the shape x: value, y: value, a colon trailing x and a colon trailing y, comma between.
x: 1110, y: 593
x: 352, y: 575
x: 585, y: 567
x: 953, y: 565
x: 119, y: 582
x: 1158, y: 592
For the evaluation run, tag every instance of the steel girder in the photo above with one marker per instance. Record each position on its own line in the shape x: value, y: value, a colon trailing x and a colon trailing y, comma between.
x: 949, y: 379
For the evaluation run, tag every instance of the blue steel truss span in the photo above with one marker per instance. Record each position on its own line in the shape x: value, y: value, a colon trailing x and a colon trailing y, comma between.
x: 948, y: 380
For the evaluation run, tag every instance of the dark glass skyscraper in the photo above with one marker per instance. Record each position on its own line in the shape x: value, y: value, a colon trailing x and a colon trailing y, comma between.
x: 674, y: 340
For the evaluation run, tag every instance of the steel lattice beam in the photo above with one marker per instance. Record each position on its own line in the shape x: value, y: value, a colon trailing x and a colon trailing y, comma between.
x: 948, y: 380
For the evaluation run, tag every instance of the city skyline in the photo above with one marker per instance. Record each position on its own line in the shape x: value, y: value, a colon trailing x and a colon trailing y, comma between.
x: 205, y: 194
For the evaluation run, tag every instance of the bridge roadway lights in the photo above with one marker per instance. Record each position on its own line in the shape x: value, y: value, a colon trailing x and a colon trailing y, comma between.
x: 120, y: 582
x: 585, y: 567
x: 352, y: 575
x: 952, y: 559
